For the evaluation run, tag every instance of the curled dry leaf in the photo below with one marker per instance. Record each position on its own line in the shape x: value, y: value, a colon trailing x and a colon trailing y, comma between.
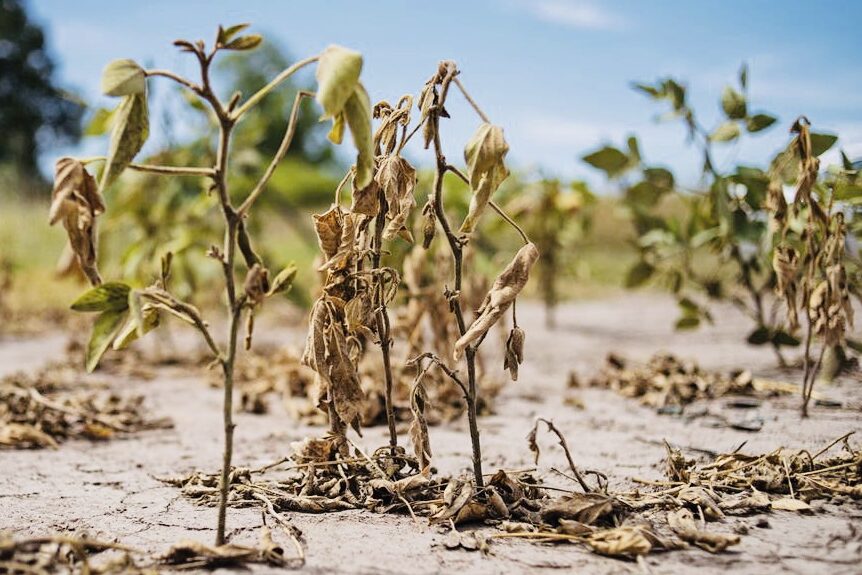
x: 585, y: 508
x: 366, y: 201
x: 76, y: 202
x: 328, y: 226
x: 484, y: 155
x: 628, y: 541
x: 256, y: 284
x: 419, y: 426
x: 429, y: 224
x: 506, y: 288
x: 514, y: 352
x: 397, y: 178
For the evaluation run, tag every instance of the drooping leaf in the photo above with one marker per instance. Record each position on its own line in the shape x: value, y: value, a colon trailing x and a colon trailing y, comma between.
x: 131, y: 128
x: 110, y: 296
x: 397, y: 178
x: 123, y: 78
x: 337, y: 77
x: 733, y: 104
x: 357, y: 112
x: 105, y: 329
x: 503, y: 292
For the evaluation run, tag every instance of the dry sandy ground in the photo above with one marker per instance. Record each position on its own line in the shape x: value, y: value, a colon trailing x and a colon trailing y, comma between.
x: 108, y: 489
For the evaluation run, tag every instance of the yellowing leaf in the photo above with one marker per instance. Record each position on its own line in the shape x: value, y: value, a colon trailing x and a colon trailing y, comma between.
x: 111, y: 296
x: 249, y: 42
x: 131, y: 128
x: 357, y: 112
x: 337, y: 77
x: 484, y: 155
x: 123, y: 78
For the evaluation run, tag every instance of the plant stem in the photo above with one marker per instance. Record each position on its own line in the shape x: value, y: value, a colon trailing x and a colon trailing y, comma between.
x: 456, y: 248
x: 260, y: 94
x: 383, y: 327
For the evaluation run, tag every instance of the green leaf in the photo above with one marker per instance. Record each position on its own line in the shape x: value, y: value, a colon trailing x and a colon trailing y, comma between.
x: 759, y: 336
x: 226, y: 34
x: 726, y: 132
x: 336, y: 133
x: 100, y: 123
x: 337, y: 78
x: 357, y: 112
x: 284, y: 280
x: 820, y: 143
x: 782, y: 338
x: 634, y: 155
x: 660, y: 178
x: 111, y: 296
x: 733, y: 104
x: 743, y: 76
x: 106, y: 328
x: 648, y: 90
x: 123, y: 78
x: 131, y: 129
x: 638, y: 274
x: 249, y: 42
x: 687, y: 322
x: 759, y: 122
x: 644, y: 193
x: 608, y: 159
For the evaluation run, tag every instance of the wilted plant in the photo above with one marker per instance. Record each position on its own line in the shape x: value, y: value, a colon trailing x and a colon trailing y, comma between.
x: 126, y: 313
x: 357, y: 287
x: 809, y: 258
x: 726, y: 216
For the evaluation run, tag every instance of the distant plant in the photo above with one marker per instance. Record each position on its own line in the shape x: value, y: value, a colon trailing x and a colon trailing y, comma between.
x: 726, y: 217
x: 557, y: 218
x: 126, y: 313
x: 814, y: 271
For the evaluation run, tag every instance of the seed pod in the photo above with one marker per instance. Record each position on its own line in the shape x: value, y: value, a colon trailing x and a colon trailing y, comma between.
x: 514, y: 352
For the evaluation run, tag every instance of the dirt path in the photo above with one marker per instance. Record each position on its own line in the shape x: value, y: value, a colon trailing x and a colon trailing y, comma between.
x: 108, y: 489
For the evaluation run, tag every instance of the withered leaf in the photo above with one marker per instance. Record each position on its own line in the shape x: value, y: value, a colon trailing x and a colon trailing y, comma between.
x: 682, y: 523
x: 130, y: 131
x: 76, y: 202
x: 366, y: 201
x: 514, y: 352
x: 484, y: 155
x: 419, y: 425
x: 503, y: 292
x: 397, y: 178
x: 586, y: 508
x: 326, y: 353
x: 328, y: 227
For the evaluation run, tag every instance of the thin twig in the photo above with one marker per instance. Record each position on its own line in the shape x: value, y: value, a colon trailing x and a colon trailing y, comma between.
x: 260, y: 94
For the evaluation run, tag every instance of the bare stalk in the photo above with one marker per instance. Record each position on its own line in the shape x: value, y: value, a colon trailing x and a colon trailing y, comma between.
x: 382, y: 319
x: 260, y: 94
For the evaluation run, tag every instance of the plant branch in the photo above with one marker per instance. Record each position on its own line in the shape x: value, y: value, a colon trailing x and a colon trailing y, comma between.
x: 471, y: 101
x: 176, y: 78
x: 493, y: 204
x: 279, y: 155
x: 164, y: 170
x: 260, y: 94
x: 382, y: 318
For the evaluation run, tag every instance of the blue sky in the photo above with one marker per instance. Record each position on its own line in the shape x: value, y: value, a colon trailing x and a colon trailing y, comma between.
x: 554, y: 73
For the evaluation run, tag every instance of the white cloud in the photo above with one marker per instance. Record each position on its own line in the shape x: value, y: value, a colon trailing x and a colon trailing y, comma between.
x: 576, y: 14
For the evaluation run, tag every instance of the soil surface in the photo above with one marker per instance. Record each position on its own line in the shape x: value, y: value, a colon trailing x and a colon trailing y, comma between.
x: 109, y: 489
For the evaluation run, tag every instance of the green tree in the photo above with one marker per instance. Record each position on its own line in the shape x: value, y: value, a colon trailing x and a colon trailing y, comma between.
x: 34, y: 112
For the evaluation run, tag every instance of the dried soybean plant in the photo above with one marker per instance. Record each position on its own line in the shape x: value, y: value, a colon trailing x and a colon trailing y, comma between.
x: 357, y: 288
x: 809, y: 257
x: 126, y: 313
x: 484, y: 155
